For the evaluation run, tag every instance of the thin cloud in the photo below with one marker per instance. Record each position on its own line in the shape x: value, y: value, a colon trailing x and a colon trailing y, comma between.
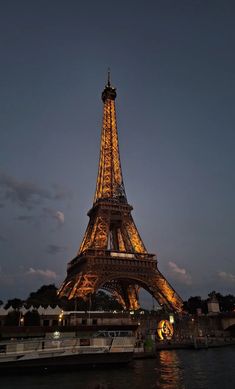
x: 23, y: 277
x: 54, y: 249
x: 228, y: 277
x: 23, y: 193
x: 25, y: 218
x: 43, y: 273
x: 180, y: 273
x: 61, y: 193
x: 60, y: 217
x: 56, y: 215
x: 26, y: 194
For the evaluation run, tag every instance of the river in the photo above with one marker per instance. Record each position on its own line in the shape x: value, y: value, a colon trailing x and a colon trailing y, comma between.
x: 181, y: 369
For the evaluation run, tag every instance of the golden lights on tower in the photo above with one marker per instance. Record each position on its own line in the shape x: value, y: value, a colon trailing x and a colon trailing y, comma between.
x: 112, y: 255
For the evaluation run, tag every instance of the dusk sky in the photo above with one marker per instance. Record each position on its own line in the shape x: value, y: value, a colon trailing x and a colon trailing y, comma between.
x: 173, y: 64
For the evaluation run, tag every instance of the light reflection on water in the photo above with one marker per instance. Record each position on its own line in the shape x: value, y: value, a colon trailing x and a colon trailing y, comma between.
x: 169, y: 371
x: 182, y: 369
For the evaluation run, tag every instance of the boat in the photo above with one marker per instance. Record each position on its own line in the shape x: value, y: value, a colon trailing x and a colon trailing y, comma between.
x: 51, y: 353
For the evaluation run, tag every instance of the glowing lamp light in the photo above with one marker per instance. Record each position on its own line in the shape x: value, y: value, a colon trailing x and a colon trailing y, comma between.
x: 165, y: 330
x: 21, y: 321
x: 61, y: 316
x: 56, y: 335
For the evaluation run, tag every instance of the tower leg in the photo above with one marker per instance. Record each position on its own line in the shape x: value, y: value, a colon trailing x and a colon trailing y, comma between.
x: 133, y: 297
x: 127, y: 295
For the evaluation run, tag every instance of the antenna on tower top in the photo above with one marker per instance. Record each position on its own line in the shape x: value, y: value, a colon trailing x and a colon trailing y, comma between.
x: 109, y: 91
x: 109, y: 77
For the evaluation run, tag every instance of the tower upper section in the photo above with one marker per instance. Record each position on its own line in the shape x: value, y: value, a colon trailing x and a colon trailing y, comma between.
x: 109, y: 180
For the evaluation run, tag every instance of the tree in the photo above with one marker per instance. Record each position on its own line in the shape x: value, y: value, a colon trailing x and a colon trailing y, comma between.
x: 226, y: 303
x: 68, y: 305
x: 14, y: 303
x: 100, y: 301
x: 104, y: 301
x: 46, y: 295
x: 195, y: 303
x: 12, y: 318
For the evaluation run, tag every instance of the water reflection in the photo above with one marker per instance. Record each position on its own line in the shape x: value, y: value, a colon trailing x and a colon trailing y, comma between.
x: 182, y: 369
x: 169, y: 371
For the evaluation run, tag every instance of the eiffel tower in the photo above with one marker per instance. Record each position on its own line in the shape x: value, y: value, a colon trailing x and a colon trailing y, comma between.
x: 112, y: 255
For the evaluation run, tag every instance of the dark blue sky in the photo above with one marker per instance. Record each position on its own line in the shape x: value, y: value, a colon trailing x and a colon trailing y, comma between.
x: 173, y: 63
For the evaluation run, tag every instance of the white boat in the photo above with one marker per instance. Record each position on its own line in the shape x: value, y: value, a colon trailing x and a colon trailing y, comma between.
x: 57, y: 352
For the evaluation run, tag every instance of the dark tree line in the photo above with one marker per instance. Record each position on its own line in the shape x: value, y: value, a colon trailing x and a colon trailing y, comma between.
x: 47, y: 295
x: 226, y: 303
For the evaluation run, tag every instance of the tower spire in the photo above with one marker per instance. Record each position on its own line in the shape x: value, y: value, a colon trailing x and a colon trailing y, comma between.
x: 109, y: 83
x: 109, y: 181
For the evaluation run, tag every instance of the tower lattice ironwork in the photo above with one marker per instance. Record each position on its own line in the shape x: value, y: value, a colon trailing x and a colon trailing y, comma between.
x: 112, y: 255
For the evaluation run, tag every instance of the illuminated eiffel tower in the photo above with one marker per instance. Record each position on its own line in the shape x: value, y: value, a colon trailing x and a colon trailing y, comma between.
x: 112, y: 255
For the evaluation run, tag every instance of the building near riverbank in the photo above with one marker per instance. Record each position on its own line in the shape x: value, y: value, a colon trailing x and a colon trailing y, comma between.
x: 145, y: 324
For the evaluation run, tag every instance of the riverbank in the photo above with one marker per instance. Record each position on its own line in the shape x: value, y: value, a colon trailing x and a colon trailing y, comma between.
x: 190, y: 344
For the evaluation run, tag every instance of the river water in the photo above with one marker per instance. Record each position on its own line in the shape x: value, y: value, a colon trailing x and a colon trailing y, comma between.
x: 181, y: 369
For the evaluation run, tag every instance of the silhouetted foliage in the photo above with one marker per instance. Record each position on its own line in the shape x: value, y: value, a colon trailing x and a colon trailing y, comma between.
x: 14, y: 303
x: 100, y: 301
x: 195, y: 303
x: 46, y: 295
x: 12, y: 318
x: 66, y: 304
x: 226, y: 303
x: 104, y: 301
